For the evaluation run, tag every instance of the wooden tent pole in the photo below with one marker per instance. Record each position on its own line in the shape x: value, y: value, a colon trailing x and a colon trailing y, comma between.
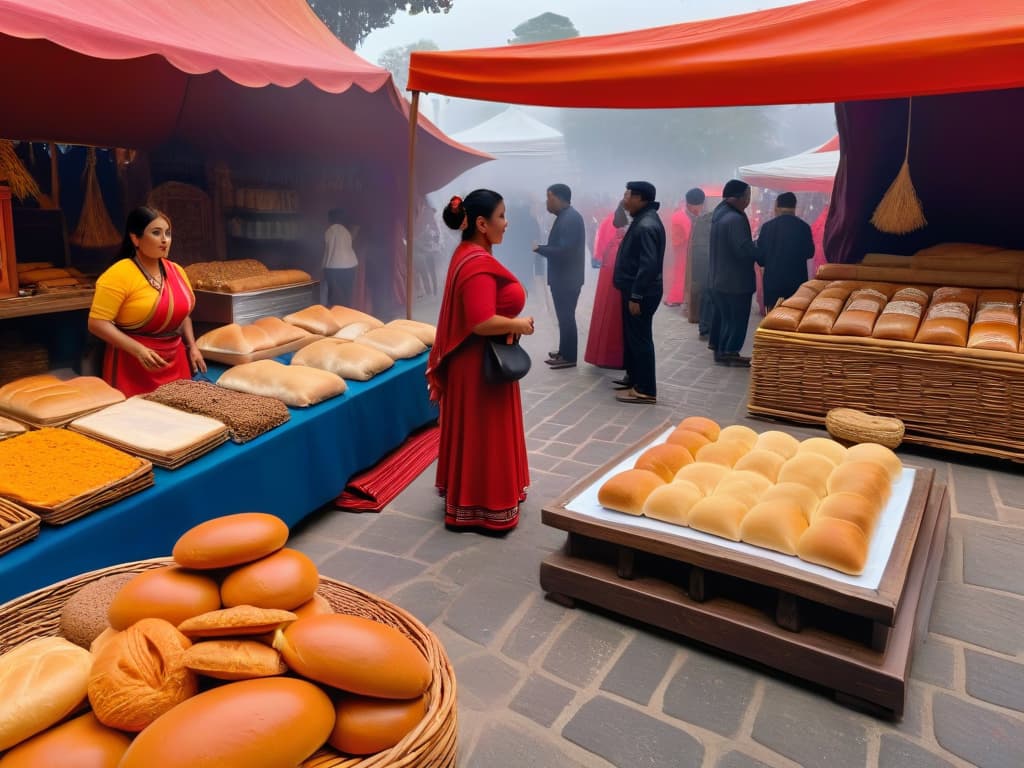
x: 410, y: 276
x: 54, y: 176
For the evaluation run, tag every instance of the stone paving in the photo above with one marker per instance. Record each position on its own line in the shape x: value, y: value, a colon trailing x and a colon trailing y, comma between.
x: 541, y: 685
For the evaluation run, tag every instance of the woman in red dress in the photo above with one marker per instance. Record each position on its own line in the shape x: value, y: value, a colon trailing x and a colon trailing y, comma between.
x: 482, y: 469
x: 604, y: 341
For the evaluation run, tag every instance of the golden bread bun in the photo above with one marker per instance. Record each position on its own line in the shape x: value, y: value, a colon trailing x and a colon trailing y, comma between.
x: 739, y: 490
x: 764, y: 462
x: 775, y: 525
x: 240, y: 620
x: 230, y: 540
x: 356, y: 655
x: 704, y: 475
x: 688, y: 439
x: 726, y: 454
x: 169, y: 593
x: 878, y: 454
x: 664, y: 460
x: 704, y: 426
x: 834, y: 543
x: 80, y: 743
x: 864, y: 477
x: 822, y: 446
x: 315, y: 607
x: 366, y: 726
x: 266, y: 723
x: 759, y: 483
x: 718, y: 515
x: 778, y: 442
x: 234, y: 659
x: 740, y: 434
x: 140, y: 674
x: 283, y: 580
x: 627, y: 491
x: 859, y: 510
x: 810, y: 469
x: 671, y: 503
x: 104, y: 637
x: 805, y: 498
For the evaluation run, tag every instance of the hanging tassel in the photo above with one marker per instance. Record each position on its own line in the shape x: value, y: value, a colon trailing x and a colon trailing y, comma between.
x: 15, y: 175
x: 900, y: 211
x: 94, y: 230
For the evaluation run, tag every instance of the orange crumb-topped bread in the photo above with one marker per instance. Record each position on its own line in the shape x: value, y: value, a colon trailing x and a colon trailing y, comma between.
x: 47, y: 467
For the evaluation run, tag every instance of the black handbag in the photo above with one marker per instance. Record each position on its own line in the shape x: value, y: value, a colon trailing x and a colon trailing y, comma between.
x: 505, y: 360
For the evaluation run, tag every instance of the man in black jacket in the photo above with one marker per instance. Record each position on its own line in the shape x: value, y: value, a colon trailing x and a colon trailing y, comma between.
x: 566, y: 254
x: 784, y: 247
x: 637, y: 275
x: 731, y: 275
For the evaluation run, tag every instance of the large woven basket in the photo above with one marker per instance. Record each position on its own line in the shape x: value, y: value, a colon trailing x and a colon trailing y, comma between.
x: 430, y: 745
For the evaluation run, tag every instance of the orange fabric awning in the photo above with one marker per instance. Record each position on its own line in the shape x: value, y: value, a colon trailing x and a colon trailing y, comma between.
x: 820, y: 51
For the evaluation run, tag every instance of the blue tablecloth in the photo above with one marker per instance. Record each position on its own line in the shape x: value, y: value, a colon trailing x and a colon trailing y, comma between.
x: 290, y: 471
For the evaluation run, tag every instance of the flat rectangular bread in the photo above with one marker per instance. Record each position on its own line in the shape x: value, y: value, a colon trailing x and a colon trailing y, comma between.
x: 46, y: 398
x: 394, y: 343
x: 860, y: 313
x: 345, y: 315
x: 425, y: 332
x: 948, y: 317
x: 357, y: 362
x: 805, y: 294
x: 227, y: 339
x: 783, y: 318
x: 10, y: 427
x: 996, y: 323
x: 138, y: 423
x: 276, y: 278
x: 295, y: 385
x: 315, y: 319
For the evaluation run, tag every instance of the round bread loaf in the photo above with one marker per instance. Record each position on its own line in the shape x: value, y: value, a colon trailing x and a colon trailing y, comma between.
x: 140, y: 674
x: 230, y: 540
x: 805, y: 498
x: 866, y: 478
x: 170, y: 593
x: 664, y: 460
x: 778, y: 442
x: 725, y: 453
x: 318, y: 606
x: 365, y: 726
x: 671, y: 503
x: 84, y: 616
x: 80, y: 743
x: 739, y: 433
x: 627, y: 491
x: 704, y: 426
x: 41, y: 682
x: 688, y: 439
x: 703, y: 474
x: 878, y: 454
x: 764, y: 462
x: 834, y: 543
x: 775, y: 525
x: 356, y: 655
x: 810, y: 469
x: 822, y: 446
x: 859, y: 510
x: 718, y: 515
x: 267, y: 723
x: 283, y: 580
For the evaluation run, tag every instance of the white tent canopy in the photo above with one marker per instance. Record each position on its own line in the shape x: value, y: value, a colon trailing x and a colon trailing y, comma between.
x: 513, y: 134
x: 811, y: 171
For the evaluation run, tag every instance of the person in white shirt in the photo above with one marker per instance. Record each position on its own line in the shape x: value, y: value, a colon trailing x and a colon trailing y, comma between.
x: 340, y: 260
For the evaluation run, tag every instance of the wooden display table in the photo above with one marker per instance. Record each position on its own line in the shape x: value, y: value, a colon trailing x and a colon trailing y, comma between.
x: 46, y: 303
x: 853, y: 641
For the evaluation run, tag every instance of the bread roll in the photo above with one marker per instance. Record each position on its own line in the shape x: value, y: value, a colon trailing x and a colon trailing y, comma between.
x: 425, y: 332
x: 240, y: 620
x: 257, y: 337
x: 805, y: 295
x: 230, y: 540
x: 42, y: 681
x: 294, y: 385
x: 283, y: 580
x: 228, y: 339
x: 353, y: 331
x: 738, y: 490
x: 822, y: 446
x: 80, y: 743
x: 755, y: 480
x: 998, y: 336
x: 315, y: 607
x: 763, y: 462
x: 718, y: 515
x: 948, y: 317
x: 688, y: 439
x: 810, y: 469
x: 775, y: 525
x: 701, y: 425
x: 627, y: 491
x: 704, y: 475
x: 878, y: 454
x: 366, y: 726
x: 315, y: 319
x: 853, y: 507
x: 356, y: 655
x: 102, y: 639
x: 664, y: 460
x: 821, y: 314
x: 671, y: 503
x: 140, y: 674
x: 346, y: 315
x: 740, y: 434
x: 396, y: 344
x: 867, y: 478
x: 860, y: 313
x: 234, y: 660
x: 170, y: 593
x: 783, y: 318
x: 279, y: 331
x: 805, y: 498
x: 898, y: 321
x: 267, y: 723
x: 834, y: 543
x: 778, y: 442
x: 726, y: 453
x: 355, y: 362
x: 84, y: 616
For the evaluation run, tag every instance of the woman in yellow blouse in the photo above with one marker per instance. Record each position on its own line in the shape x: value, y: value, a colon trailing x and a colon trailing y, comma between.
x: 141, y: 310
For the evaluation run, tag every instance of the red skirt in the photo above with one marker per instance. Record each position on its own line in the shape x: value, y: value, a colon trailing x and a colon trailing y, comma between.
x: 604, y: 342
x: 482, y: 468
x: 124, y: 372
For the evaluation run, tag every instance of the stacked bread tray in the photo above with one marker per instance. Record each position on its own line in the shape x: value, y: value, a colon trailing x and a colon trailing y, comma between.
x: 17, y: 525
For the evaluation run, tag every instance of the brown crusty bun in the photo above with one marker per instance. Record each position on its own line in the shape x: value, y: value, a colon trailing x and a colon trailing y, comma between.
x: 84, y: 616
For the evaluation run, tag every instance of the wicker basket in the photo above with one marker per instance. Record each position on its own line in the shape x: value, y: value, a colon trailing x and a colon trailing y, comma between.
x: 430, y: 745
x: 849, y: 425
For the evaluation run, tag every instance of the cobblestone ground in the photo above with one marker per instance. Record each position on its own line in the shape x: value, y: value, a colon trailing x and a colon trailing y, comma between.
x: 540, y: 685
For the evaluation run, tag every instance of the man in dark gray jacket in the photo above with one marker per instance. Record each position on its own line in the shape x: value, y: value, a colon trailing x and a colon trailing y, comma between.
x: 637, y: 275
x: 731, y: 274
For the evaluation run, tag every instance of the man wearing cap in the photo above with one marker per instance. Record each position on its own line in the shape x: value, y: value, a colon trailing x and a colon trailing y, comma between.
x: 731, y: 274
x: 565, y: 252
x: 682, y: 225
x: 638, y: 268
x: 784, y: 247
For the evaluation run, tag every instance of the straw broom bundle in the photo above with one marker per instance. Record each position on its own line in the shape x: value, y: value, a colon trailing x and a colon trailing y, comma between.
x: 22, y: 185
x: 94, y: 230
x: 900, y: 211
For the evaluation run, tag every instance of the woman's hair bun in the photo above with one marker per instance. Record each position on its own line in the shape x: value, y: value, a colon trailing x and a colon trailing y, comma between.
x: 454, y: 213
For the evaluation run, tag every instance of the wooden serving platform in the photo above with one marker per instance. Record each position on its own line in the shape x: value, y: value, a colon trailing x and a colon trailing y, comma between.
x: 855, y: 642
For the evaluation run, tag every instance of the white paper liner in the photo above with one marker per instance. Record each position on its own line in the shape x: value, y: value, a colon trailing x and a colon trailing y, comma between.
x: 879, y: 551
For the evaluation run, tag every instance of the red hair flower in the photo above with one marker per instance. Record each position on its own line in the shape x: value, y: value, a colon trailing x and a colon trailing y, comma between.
x: 455, y: 203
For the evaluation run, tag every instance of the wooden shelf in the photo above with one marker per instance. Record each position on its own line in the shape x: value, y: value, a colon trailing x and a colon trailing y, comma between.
x: 45, y: 303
